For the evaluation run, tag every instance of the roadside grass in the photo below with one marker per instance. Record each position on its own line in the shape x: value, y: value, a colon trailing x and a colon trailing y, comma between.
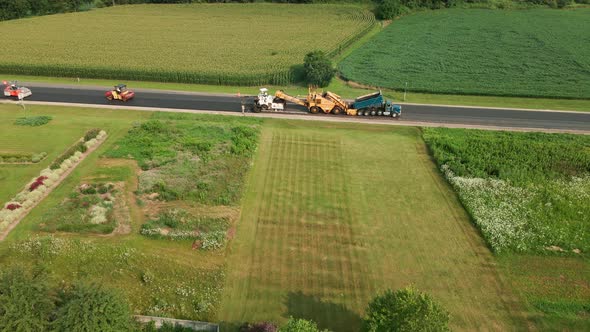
x: 191, y: 43
x: 535, y: 52
x: 335, y: 213
x: 338, y: 86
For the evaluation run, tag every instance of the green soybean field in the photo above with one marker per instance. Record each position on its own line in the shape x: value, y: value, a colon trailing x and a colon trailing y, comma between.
x: 237, y: 44
x: 535, y: 53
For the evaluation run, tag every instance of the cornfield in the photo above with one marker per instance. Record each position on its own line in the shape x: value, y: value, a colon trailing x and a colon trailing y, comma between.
x: 235, y: 44
x: 531, y: 53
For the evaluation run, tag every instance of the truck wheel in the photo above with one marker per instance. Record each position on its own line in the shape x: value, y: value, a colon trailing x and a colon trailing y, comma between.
x: 379, y: 113
x: 373, y: 112
x: 337, y: 110
x: 314, y: 110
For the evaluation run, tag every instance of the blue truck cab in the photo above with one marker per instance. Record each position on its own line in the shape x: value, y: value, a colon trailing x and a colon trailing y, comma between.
x: 374, y: 104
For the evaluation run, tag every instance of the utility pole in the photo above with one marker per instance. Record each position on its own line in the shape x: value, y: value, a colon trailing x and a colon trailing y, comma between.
x: 405, y: 91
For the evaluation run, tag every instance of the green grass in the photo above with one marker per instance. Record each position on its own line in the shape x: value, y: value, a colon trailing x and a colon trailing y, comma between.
x: 242, y: 44
x: 537, y: 52
x: 335, y: 213
x: 555, y: 289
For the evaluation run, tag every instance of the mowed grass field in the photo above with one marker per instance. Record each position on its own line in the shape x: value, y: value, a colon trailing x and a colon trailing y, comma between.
x: 241, y: 44
x: 537, y: 52
x: 336, y: 213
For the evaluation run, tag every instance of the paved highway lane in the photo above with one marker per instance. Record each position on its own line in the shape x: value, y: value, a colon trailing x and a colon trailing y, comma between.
x: 414, y: 113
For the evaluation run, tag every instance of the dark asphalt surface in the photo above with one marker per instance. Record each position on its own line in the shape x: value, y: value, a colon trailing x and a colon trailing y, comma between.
x: 422, y: 113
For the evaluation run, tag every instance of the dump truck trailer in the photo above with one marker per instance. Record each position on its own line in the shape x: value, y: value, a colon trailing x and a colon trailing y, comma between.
x: 374, y: 104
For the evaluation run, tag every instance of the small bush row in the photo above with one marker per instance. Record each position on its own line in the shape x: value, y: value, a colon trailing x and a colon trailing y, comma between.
x: 33, y: 121
x: 90, y: 139
x: 22, y: 158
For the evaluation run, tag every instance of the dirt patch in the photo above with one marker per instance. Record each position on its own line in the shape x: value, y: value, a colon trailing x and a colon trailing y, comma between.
x: 121, y: 211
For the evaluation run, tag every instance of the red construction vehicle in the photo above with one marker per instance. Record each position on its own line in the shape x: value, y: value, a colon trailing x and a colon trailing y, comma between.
x: 12, y: 89
x: 120, y: 92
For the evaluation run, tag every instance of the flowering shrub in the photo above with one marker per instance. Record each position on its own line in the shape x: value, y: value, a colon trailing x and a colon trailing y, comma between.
x: 13, y: 206
x: 37, y: 182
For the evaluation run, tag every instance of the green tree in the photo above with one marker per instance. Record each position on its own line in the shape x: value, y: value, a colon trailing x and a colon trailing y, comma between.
x: 26, y: 302
x: 318, y: 68
x: 388, y: 9
x: 405, y: 310
x: 300, y: 325
x: 88, y: 308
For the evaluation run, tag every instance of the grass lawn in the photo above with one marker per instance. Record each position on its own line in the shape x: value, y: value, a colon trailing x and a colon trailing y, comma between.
x: 536, y: 52
x: 555, y: 289
x: 335, y: 213
x: 192, y: 43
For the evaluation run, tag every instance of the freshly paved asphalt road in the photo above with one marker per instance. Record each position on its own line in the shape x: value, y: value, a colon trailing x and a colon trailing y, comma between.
x: 579, y: 121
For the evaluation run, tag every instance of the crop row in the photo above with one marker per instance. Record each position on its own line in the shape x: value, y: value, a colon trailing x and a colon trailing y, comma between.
x: 534, y: 53
x: 206, y: 44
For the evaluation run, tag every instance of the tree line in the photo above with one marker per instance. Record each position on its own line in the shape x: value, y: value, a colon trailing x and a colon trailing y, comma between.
x: 13, y: 9
x: 384, y: 9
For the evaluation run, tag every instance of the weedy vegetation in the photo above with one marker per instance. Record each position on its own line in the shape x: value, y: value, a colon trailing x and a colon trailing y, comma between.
x: 536, y: 52
x: 185, y: 157
x: 527, y: 192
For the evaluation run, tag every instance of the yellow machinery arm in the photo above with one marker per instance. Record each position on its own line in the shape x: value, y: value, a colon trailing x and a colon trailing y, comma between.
x: 283, y: 95
x: 337, y: 100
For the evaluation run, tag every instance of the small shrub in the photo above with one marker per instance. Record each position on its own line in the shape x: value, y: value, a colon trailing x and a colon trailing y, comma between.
x: 92, y: 133
x: 301, y: 325
x: 147, y: 277
x: 388, y: 9
x: 90, y: 190
x: 405, y: 310
x: 13, y: 206
x: 258, y: 327
x: 33, y: 121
